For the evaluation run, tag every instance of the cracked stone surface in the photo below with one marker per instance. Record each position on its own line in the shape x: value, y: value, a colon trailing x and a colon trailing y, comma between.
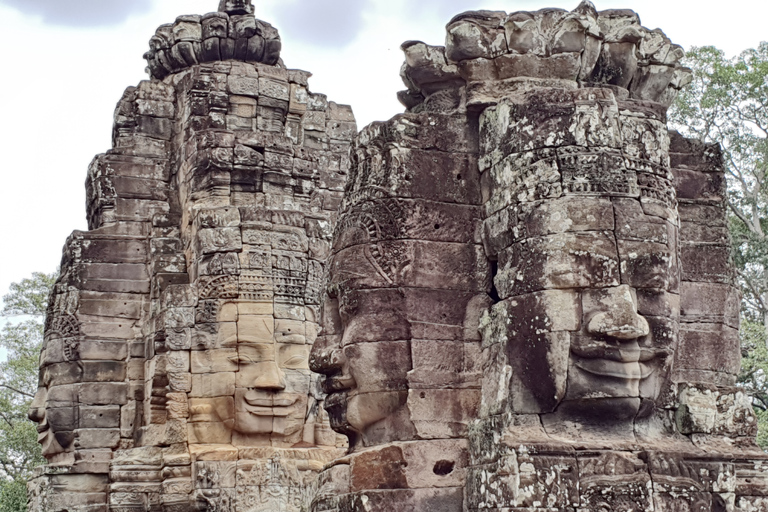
x: 516, y: 296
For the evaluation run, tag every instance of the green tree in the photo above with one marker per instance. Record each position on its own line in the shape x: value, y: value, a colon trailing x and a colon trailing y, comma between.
x: 754, y: 373
x: 728, y: 103
x: 22, y: 337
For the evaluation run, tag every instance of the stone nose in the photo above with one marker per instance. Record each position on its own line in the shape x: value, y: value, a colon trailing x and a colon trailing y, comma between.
x: 326, y: 356
x: 36, y: 412
x: 619, y: 318
x: 271, y: 377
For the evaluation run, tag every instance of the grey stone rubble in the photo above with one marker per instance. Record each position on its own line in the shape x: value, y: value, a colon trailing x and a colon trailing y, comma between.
x: 517, y: 295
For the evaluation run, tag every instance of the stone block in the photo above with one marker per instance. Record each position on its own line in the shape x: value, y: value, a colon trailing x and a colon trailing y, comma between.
x: 100, y: 417
x: 214, y: 361
x: 103, y: 371
x: 213, y: 384
x: 701, y: 186
x: 568, y: 260
x: 709, y: 347
x: 219, y: 240
x: 406, y: 500
x: 107, y: 327
x: 98, y: 438
x: 103, y: 393
x: 103, y: 350
x: 710, y: 302
x: 379, y: 469
x: 443, y: 413
x: 274, y: 89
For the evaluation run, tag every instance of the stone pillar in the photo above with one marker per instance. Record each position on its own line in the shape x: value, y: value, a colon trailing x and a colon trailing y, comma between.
x: 175, y: 369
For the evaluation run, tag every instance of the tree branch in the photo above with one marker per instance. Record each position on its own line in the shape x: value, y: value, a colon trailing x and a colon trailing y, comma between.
x: 5, y: 418
x: 755, y: 293
x: 739, y: 214
x: 16, y: 390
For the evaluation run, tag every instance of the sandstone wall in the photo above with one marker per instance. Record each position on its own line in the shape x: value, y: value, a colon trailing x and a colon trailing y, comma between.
x: 175, y: 374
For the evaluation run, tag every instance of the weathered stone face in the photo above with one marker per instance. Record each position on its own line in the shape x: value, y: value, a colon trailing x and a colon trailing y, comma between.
x: 408, y: 281
x: 391, y: 297
x: 583, y: 222
x: 55, y: 407
x: 263, y: 369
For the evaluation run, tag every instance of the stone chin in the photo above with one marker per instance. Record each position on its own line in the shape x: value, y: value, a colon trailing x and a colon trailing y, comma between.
x: 605, y: 410
x: 50, y: 445
x: 335, y: 405
x: 364, y: 410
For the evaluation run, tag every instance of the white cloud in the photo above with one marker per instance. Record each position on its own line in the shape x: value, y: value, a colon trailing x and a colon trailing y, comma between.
x: 332, y: 23
x: 80, y: 13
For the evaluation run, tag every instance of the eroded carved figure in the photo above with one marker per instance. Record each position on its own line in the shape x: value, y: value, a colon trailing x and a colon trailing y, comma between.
x: 521, y: 301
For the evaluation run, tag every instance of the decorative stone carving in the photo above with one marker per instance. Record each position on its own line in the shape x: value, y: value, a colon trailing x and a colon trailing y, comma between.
x: 175, y: 369
x: 517, y: 295
x: 407, y: 285
x: 232, y: 33
x: 591, y: 397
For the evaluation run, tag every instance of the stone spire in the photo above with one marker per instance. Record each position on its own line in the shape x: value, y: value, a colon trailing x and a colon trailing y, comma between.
x: 232, y: 33
x: 236, y: 6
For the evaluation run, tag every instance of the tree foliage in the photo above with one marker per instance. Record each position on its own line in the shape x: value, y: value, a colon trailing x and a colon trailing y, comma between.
x: 30, y: 296
x: 22, y: 337
x: 727, y: 103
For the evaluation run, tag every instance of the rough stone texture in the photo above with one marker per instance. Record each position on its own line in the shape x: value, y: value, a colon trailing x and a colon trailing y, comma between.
x: 608, y: 345
x: 400, y: 348
x: 175, y: 373
x: 518, y: 293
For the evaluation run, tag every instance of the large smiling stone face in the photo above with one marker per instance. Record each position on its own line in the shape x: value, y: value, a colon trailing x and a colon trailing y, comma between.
x: 582, y: 219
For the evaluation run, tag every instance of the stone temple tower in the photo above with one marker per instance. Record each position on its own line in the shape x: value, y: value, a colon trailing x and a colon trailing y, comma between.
x: 517, y: 296
x: 174, y: 374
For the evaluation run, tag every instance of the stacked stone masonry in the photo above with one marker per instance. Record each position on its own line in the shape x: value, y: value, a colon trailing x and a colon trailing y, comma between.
x: 516, y: 296
x: 175, y: 369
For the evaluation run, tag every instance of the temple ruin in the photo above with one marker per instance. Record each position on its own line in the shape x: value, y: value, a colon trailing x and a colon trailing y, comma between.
x: 517, y: 296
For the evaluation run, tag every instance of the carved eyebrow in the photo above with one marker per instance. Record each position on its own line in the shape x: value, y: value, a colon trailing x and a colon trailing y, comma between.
x: 296, y: 358
x: 241, y: 359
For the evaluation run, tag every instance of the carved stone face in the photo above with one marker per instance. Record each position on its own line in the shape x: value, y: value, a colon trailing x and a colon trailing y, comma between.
x: 585, y: 230
x: 46, y: 431
x: 592, y: 316
x: 404, y: 278
x: 267, y: 360
x: 55, y: 406
x: 367, y: 363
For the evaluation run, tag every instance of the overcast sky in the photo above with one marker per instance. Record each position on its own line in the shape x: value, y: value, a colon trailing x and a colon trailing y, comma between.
x: 67, y: 62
